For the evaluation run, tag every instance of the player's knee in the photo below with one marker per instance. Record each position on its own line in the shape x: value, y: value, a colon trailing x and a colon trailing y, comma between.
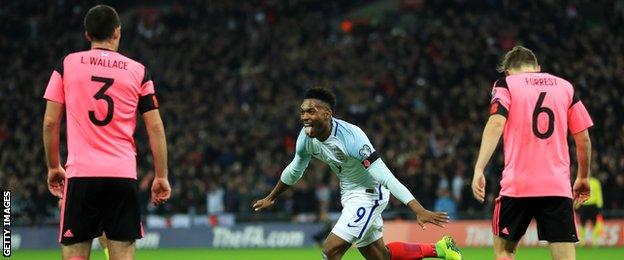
x: 331, y: 252
x: 328, y: 252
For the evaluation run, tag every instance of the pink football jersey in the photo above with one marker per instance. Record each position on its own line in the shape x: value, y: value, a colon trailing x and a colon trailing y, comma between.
x: 540, y: 109
x: 100, y: 90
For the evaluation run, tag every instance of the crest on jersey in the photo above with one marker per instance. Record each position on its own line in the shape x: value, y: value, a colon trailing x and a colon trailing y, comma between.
x: 366, y: 151
x: 493, y: 95
x: 339, y: 154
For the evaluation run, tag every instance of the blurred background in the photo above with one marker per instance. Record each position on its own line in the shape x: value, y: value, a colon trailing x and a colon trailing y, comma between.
x: 415, y: 75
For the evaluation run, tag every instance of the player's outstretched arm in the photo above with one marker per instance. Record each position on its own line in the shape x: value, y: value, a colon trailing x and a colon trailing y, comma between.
x: 279, y: 188
x: 581, y: 187
x: 51, y: 139
x: 491, y: 134
x: 424, y: 216
x: 161, y: 191
x: 289, y: 177
x: 291, y: 174
x: 380, y: 172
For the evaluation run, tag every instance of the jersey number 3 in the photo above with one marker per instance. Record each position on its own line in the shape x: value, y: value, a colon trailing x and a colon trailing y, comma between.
x: 551, y: 118
x: 108, y: 82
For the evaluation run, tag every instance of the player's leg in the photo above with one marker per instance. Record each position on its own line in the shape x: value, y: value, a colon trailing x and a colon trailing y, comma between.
x: 121, y: 250
x: 122, y: 224
x: 104, y: 244
x: 370, y: 241
x: 334, y: 247
x: 371, y: 244
x: 80, y: 218
x: 378, y: 250
x: 555, y: 224
x: 375, y: 251
x: 562, y: 251
x: 445, y: 248
x: 76, y: 251
x: 504, y: 249
x: 510, y: 221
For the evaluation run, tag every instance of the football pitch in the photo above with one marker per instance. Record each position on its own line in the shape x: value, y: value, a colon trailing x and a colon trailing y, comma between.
x: 310, y: 253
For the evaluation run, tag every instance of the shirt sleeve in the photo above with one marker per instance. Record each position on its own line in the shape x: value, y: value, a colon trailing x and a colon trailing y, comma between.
x: 147, y: 99
x: 501, y: 98
x: 54, y: 91
x: 380, y: 172
x: 360, y: 148
x: 578, y: 117
x: 147, y: 85
x: 293, y: 172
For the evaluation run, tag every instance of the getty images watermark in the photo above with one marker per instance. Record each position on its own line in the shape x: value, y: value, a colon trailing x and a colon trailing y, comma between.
x: 6, y: 223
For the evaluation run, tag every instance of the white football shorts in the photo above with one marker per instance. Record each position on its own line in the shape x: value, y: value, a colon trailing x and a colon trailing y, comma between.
x: 360, y: 222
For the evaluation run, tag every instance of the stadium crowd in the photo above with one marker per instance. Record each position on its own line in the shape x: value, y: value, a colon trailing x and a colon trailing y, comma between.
x: 230, y: 74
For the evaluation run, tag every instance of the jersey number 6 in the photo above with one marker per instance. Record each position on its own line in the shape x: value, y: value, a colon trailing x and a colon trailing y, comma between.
x: 551, y: 118
x: 108, y: 82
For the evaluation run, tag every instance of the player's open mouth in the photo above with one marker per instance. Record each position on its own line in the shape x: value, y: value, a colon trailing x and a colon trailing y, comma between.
x: 308, y: 128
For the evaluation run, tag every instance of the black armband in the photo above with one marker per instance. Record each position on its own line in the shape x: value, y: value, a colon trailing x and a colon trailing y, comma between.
x: 147, y: 103
x: 370, y: 160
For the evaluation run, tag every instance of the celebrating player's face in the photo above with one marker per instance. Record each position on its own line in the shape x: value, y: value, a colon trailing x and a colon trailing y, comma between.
x: 315, y: 117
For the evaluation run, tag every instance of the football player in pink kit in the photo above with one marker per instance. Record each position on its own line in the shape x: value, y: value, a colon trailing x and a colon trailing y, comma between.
x: 100, y: 91
x: 534, y: 112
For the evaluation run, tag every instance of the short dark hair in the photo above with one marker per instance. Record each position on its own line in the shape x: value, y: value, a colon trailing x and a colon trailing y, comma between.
x: 101, y: 22
x: 516, y: 58
x: 322, y: 94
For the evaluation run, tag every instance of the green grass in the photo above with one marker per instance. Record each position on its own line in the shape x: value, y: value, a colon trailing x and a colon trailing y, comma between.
x: 310, y: 253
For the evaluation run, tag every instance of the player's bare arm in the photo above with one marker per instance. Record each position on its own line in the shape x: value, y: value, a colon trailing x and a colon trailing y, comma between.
x: 51, y: 139
x: 269, y: 200
x: 491, y: 135
x: 424, y: 216
x: 161, y: 191
x: 581, y: 188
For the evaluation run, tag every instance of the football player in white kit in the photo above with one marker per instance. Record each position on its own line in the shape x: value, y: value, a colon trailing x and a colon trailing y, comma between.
x: 365, y: 186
